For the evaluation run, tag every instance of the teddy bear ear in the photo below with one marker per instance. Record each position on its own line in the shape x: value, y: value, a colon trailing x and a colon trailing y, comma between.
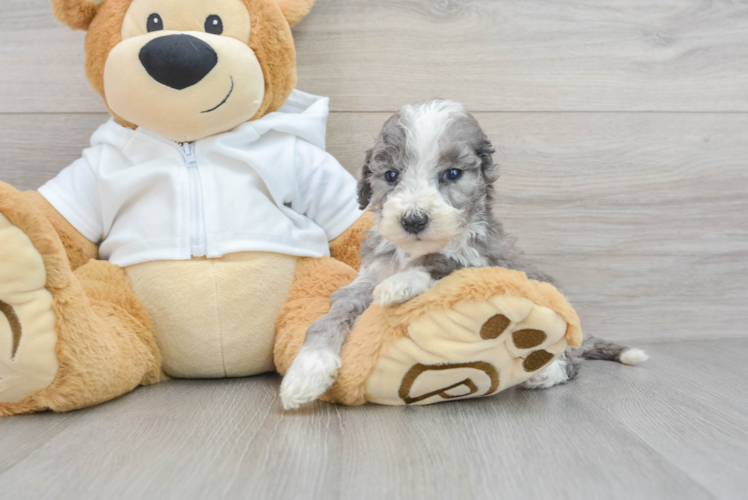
x: 77, y: 14
x: 295, y: 10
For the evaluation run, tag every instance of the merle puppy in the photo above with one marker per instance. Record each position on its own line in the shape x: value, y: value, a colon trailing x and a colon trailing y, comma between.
x: 429, y: 181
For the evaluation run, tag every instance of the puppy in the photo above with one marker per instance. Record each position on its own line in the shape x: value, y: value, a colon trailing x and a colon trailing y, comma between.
x: 429, y: 181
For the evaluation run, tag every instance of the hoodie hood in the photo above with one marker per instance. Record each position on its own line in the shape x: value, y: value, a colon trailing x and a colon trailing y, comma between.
x: 303, y: 115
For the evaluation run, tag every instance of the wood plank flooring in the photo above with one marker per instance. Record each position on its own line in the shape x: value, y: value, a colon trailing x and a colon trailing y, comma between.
x: 673, y: 428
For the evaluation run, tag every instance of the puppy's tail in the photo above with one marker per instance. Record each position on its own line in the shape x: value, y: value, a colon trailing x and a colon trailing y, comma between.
x: 594, y: 348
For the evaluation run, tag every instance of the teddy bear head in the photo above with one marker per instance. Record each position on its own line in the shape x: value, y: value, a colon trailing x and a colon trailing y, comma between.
x: 188, y: 69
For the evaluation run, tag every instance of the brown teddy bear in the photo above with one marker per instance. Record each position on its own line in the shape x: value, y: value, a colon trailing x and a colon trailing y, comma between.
x: 205, y: 229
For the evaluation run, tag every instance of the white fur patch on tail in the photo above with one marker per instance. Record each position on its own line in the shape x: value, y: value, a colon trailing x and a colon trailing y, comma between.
x: 633, y: 357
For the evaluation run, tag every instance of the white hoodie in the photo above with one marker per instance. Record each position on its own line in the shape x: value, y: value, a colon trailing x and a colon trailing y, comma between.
x: 268, y: 185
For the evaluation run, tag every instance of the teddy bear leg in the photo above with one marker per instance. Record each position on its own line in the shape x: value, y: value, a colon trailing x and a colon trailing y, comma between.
x: 478, y: 332
x: 67, y: 340
x: 315, y: 280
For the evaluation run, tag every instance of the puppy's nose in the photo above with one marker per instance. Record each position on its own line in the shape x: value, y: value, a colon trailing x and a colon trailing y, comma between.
x: 414, y: 224
x: 178, y: 61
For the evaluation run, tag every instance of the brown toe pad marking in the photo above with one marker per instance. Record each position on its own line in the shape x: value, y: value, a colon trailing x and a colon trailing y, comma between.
x: 15, y: 326
x: 417, y: 369
x: 527, y: 339
x: 537, y: 360
x: 494, y: 327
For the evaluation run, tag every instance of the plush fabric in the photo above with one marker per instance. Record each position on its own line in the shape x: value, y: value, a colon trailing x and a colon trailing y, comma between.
x: 270, y: 39
x: 295, y: 11
x: 461, y: 294
x: 79, y: 249
x: 345, y: 247
x: 93, y: 368
x: 77, y: 14
x: 308, y: 299
x: 27, y: 323
x: 225, y: 325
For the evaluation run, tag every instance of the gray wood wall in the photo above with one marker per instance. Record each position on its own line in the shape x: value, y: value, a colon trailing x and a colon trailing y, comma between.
x: 621, y: 125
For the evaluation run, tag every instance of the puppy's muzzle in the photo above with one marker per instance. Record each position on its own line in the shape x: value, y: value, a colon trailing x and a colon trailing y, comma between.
x: 414, y: 224
x: 178, y: 61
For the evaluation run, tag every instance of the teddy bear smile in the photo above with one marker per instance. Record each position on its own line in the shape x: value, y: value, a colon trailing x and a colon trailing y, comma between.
x: 231, y: 90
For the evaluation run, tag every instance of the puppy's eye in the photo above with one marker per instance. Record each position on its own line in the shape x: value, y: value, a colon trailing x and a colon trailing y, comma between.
x: 155, y: 23
x: 391, y: 176
x: 452, y: 174
x: 214, y: 25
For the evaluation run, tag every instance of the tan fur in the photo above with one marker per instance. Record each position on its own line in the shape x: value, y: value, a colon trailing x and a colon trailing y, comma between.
x: 480, y: 283
x: 270, y: 39
x: 308, y: 299
x: 295, y: 10
x: 373, y: 334
x: 78, y: 248
x: 77, y: 14
x: 379, y: 328
x: 225, y: 325
x: 346, y: 247
x: 93, y: 368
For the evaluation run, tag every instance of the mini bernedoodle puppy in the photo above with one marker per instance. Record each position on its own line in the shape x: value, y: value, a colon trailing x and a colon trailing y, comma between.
x: 428, y: 179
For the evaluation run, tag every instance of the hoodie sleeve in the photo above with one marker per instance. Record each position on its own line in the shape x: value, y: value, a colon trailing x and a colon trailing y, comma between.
x: 326, y: 192
x: 74, y: 193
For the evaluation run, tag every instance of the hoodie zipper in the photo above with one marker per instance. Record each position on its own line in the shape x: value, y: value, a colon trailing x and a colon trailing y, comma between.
x: 197, y: 210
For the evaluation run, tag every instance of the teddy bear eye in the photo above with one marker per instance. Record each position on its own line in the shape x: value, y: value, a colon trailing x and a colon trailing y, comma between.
x: 154, y: 23
x: 214, y: 25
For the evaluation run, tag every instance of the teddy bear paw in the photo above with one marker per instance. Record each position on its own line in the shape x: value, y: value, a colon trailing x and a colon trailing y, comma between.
x: 28, y: 357
x: 310, y: 375
x: 471, y: 349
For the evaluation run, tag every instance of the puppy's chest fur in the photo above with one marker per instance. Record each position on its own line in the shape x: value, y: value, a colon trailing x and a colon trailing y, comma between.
x: 382, y: 258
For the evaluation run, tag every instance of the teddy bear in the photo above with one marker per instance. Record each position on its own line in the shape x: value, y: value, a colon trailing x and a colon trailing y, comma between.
x: 205, y: 228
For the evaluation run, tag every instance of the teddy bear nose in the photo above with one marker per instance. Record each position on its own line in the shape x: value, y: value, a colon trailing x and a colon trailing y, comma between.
x: 178, y: 61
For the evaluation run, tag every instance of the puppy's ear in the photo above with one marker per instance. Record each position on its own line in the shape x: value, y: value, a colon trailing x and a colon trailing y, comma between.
x: 364, y: 184
x: 77, y: 14
x: 485, y: 152
x: 295, y: 10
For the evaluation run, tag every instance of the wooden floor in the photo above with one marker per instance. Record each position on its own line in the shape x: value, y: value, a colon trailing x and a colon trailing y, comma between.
x: 622, y: 131
x: 674, y: 428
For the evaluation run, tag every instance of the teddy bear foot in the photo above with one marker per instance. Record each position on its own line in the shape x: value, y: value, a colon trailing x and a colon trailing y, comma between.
x: 28, y: 360
x: 469, y: 350
x: 477, y: 332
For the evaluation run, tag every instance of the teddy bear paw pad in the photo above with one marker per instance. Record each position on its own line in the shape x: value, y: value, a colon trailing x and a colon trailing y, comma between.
x: 472, y: 349
x: 28, y: 359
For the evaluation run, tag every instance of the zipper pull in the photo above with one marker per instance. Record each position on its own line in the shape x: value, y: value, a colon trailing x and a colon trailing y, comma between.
x: 188, y: 151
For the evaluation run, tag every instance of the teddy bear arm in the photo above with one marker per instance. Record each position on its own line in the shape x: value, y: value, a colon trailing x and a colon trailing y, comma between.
x: 346, y: 247
x: 79, y: 249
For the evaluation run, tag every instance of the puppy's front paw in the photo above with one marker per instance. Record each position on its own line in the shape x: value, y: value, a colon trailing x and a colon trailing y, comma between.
x: 310, y: 375
x: 396, y: 290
